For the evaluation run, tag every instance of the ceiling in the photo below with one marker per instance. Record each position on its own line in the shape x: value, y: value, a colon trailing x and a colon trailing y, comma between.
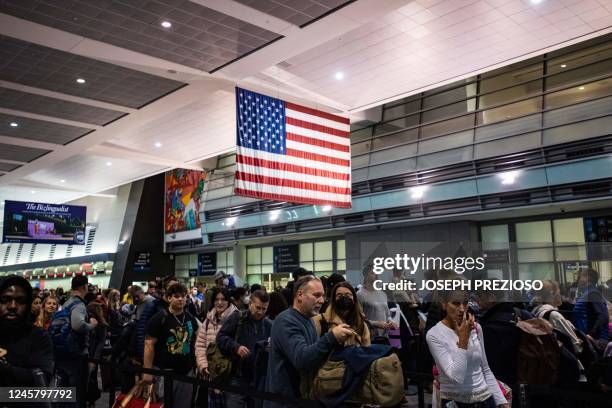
x: 98, y: 93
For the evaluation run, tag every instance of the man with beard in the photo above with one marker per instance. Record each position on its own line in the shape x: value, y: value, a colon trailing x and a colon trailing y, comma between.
x: 295, y: 348
x: 23, y: 346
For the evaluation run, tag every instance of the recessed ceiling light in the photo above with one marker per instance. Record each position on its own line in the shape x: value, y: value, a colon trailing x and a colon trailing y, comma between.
x: 80, y: 81
x: 62, y: 181
x: 158, y: 144
x: 536, y: 1
x: 109, y: 163
x: 14, y: 124
x: 166, y: 24
x: 581, y: 87
x: 339, y: 75
x: 32, y: 192
x: 563, y: 65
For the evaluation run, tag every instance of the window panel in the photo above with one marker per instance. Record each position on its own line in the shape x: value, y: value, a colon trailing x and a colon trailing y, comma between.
x: 444, y: 158
x: 535, y: 255
x: 253, y: 256
x: 578, y: 94
x: 267, y: 256
x: 447, y: 126
x: 309, y: 266
x: 446, y: 142
x: 510, y: 94
x: 495, y: 237
x: 509, y: 128
x: 251, y: 269
x: 579, y: 58
x: 324, y: 266
x: 361, y: 134
x: 253, y: 279
x: 571, y: 253
x: 230, y: 258
x: 221, y: 259
x: 397, y: 153
x: 341, y: 266
x: 452, y: 95
x: 508, y: 76
x: 568, y: 230
x: 508, y: 145
x: 578, y: 75
x: 341, y: 249
x: 509, y: 111
x: 449, y: 110
x: 323, y: 250
x: 360, y: 148
x: 269, y: 268
x: 392, y: 168
x: 226, y: 161
x: 396, y: 125
x: 395, y: 139
x: 578, y: 131
x: 401, y: 110
x: 537, y: 271
x: 533, y: 234
x: 306, y: 253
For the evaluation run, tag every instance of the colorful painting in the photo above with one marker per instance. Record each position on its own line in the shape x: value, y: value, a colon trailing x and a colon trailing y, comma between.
x: 183, y: 194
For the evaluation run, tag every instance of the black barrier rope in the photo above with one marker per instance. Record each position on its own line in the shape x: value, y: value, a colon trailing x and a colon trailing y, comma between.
x: 530, y: 391
x: 170, y: 377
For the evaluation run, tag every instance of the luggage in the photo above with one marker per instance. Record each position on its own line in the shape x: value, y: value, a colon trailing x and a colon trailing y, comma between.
x: 220, y: 365
x: 383, y: 384
x: 140, y: 396
x: 538, y: 353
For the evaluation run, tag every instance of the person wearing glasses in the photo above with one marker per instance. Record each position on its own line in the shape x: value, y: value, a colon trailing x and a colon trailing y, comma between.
x: 23, y: 347
x: 344, y: 309
x: 170, y: 344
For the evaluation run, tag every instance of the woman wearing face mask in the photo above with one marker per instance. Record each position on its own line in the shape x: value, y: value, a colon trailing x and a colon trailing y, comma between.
x: 344, y: 309
x: 457, y: 346
x: 221, y: 307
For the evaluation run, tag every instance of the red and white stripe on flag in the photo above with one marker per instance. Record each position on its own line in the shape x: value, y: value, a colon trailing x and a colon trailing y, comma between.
x: 312, y: 167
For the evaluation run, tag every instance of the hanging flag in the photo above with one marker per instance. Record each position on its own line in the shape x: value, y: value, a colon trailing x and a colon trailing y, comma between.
x: 288, y: 152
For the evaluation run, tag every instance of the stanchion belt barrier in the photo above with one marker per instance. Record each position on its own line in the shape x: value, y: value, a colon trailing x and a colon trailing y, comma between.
x: 560, y: 394
x: 247, y: 391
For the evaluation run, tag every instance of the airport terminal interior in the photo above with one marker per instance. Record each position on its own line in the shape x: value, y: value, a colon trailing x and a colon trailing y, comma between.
x: 472, y: 128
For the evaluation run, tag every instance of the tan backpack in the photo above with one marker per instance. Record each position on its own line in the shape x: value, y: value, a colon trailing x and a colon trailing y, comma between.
x: 383, y: 384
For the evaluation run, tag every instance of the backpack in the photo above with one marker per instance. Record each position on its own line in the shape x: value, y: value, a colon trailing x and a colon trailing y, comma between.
x: 538, y: 353
x: 383, y: 384
x: 66, y: 343
x: 220, y: 365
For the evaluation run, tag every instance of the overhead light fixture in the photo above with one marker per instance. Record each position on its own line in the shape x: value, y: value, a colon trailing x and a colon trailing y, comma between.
x: 62, y: 181
x: 230, y: 221
x: 32, y: 192
x: 122, y: 242
x: 509, y: 177
x: 563, y: 65
x: 158, y: 144
x: 109, y: 163
x: 326, y: 208
x: 536, y: 1
x: 166, y: 24
x: 274, y: 215
x: 339, y: 75
x: 80, y: 81
x: 14, y: 124
x: 581, y: 88
x: 418, y: 192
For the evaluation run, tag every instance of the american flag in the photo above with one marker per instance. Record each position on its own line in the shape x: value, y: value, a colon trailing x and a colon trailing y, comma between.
x: 288, y: 152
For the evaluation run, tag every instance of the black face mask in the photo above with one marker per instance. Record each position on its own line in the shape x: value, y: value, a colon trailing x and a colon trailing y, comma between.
x: 345, y: 303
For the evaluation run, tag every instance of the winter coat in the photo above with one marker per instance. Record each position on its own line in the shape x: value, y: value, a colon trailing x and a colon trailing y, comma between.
x: 208, y: 333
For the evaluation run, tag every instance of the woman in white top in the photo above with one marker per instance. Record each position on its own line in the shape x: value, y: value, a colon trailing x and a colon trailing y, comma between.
x: 456, y: 344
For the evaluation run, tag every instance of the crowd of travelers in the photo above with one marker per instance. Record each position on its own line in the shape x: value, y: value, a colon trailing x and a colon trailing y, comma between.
x: 317, y: 338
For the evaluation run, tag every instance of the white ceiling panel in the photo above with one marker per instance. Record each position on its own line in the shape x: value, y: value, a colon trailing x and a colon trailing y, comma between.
x: 92, y: 173
x: 428, y: 42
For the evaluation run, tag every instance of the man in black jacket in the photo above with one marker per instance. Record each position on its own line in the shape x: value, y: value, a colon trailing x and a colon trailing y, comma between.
x: 24, y: 348
x: 237, y: 339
